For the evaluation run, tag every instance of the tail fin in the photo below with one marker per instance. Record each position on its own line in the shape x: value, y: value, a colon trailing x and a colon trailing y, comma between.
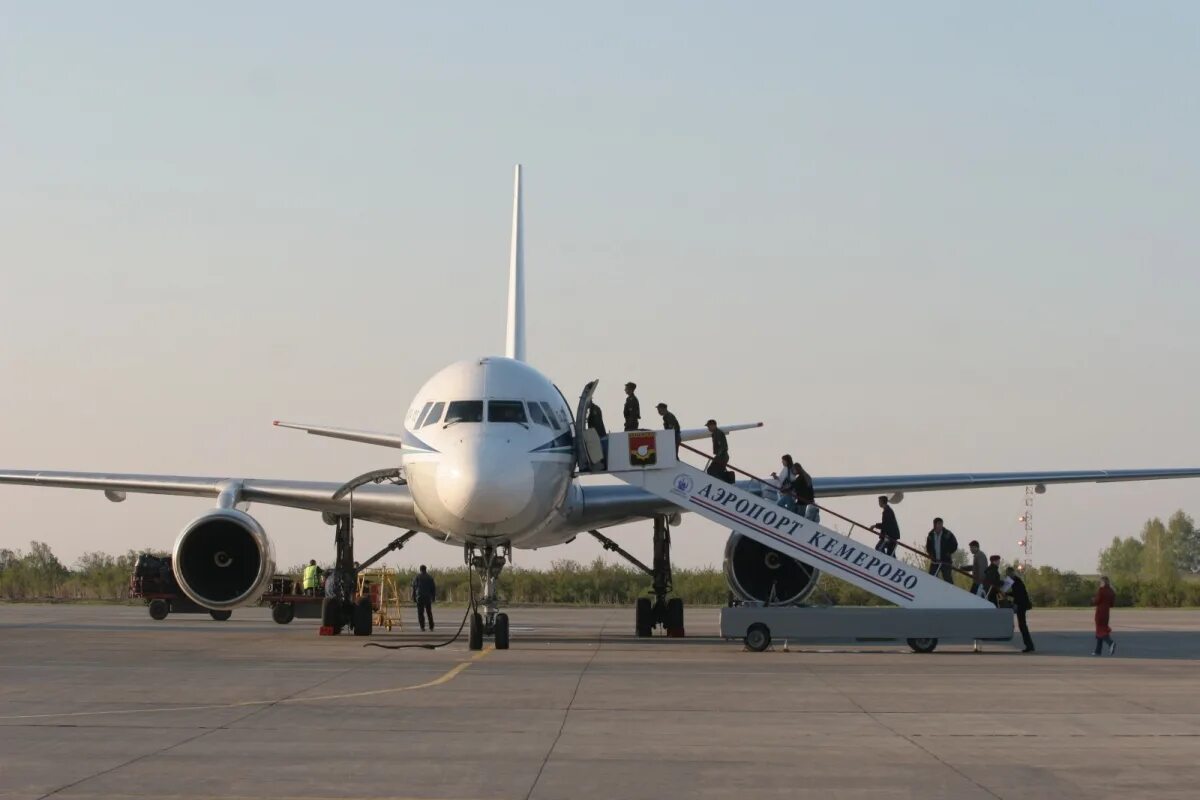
x: 515, y: 343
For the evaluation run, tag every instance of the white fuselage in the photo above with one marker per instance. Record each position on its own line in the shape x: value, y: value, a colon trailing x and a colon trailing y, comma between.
x: 489, y: 454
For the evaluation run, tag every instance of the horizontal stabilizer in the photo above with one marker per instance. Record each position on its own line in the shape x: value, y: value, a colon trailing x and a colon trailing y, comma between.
x: 366, y: 437
x: 692, y: 434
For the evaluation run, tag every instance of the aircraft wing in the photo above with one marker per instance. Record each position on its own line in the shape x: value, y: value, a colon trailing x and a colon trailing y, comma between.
x: 692, y: 434
x: 387, y: 503
x: 890, y: 484
x: 605, y: 506
x: 350, y: 435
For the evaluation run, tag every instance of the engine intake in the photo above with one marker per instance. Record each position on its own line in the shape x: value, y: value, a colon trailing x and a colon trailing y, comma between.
x: 760, y: 574
x: 223, y: 559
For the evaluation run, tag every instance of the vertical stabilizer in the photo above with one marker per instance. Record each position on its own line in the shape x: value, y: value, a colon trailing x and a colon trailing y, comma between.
x: 515, y: 342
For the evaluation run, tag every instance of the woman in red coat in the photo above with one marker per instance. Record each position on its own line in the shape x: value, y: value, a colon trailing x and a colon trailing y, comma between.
x: 1103, y: 601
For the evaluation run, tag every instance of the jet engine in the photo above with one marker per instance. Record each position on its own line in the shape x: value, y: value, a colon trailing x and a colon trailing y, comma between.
x: 223, y: 559
x: 757, y: 573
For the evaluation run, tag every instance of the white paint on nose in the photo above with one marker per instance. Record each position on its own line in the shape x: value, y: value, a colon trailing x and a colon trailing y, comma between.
x: 486, y: 483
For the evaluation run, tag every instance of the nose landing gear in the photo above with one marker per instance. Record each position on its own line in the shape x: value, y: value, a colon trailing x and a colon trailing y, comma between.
x: 487, y: 561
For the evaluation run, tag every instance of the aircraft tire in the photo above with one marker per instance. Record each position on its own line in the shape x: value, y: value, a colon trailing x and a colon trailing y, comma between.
x: 674, y: 619
x: 159, y: 609
x: 331, y: 613
x: 502, y: 631
x: 643, y: 617
x: 362, y: 617
x: 475, y: 635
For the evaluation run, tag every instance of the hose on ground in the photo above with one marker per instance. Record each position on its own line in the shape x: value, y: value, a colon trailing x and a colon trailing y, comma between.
x: 451, y: 640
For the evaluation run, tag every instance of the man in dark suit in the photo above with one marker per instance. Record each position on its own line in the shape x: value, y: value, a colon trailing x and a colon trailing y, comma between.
x: 940, y: 546
x: 887, y: 528
x: 1021, y: 605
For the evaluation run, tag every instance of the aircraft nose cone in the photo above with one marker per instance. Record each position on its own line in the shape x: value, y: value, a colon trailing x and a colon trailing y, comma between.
x: 486, y: 486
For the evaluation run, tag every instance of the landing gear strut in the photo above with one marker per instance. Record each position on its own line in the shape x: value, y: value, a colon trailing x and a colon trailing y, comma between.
x: 662, y: 611
x: 339, y: 607
x: 488, y: 561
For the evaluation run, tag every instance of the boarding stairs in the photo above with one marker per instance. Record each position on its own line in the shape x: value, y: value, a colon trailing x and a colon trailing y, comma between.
x: 648, y: 460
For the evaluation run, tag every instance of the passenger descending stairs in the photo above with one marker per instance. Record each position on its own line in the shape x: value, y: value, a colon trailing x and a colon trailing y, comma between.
x: 647, y: 460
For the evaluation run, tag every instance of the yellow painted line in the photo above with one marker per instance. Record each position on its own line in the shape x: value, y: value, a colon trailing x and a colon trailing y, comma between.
x: 449, y: 675
x: 259, y: 797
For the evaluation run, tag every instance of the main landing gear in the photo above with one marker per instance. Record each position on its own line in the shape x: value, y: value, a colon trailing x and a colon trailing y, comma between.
x: 662, y: 611
x: 487, y: 561
x: 339, y: 608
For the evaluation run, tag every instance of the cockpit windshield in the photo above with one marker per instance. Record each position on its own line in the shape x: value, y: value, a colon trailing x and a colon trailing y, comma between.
x: 435, y: 414
x: 506, y: 411
x: 464, y: 411
x: 537, y: 415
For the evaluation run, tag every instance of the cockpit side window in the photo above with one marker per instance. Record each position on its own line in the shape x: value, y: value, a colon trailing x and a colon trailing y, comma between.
x: 554, y: 421
x: 538, y: 416
x: 435, y: 414
x: 506, y: 411
x: 464, y: 411
x: 421, y: 417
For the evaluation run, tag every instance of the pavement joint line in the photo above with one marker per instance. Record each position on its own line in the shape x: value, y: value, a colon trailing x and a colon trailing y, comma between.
x: 203, y: 732
x: 256, y: 708
x: 911, y: 740
x: 446, y: 677
x: 567, y: 711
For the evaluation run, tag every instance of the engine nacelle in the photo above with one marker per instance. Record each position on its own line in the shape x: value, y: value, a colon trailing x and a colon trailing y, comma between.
x: 760, y: 574
x: 223, y: 559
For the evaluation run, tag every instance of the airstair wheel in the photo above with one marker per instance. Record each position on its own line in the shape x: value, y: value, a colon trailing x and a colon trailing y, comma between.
x: 758, y: 637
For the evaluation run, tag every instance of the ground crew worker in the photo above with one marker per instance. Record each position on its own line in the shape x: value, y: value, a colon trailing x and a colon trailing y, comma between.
x: 312, y: 578
x: 670, y: 423
x: 720, y: 459
x: 423, y: 592
x: 940, y: 546
x: 633, y: 409
x: 887, y: 528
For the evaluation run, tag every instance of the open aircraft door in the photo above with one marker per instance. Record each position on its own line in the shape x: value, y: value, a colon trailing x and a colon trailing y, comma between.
x: 589, y: 452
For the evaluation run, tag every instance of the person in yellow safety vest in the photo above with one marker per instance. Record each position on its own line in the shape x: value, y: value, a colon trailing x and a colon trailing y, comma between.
x: 312, y: 578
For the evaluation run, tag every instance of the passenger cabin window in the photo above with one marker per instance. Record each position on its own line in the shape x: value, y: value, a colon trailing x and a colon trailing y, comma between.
x: 464, y: 411
x: 435, y: 414
x: 538, y: 416
x: 506, y: 411
x: 421, y: 416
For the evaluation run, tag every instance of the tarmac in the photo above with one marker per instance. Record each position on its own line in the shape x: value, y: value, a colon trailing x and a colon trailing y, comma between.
x: 101, y: 701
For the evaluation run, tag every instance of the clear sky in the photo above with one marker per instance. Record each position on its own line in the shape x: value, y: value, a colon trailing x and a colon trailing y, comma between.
x: 909, y: 237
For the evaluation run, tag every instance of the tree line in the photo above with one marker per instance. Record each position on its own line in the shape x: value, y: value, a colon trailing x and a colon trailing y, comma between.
x: 1159, y: 567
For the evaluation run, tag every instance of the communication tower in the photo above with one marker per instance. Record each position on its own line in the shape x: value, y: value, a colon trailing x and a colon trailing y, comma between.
x: 1025, y: 560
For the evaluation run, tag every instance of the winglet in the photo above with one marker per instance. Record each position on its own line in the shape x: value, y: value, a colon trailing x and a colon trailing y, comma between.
x: 515, y: 342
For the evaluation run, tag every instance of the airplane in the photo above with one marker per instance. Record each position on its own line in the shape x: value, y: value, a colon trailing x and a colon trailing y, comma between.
x: 492, y: 457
